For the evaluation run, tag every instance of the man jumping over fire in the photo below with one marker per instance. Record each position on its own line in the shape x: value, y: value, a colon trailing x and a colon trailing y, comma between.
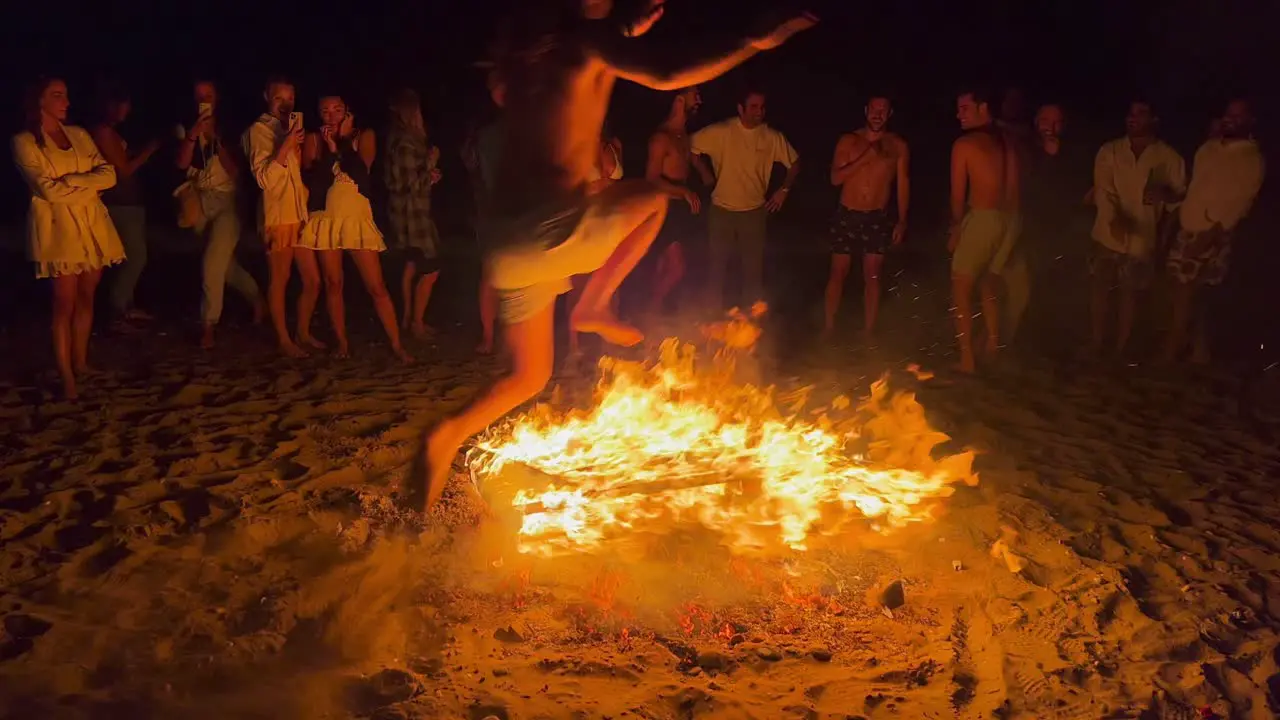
x: 558, y: 64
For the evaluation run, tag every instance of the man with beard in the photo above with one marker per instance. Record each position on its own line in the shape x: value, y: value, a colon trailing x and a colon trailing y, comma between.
x: 1226, y: 175
x: 668, y: 169
x: 1057, y: 180
x: 1134, y: 177
x: 865, y: 165
x: 558, y: 62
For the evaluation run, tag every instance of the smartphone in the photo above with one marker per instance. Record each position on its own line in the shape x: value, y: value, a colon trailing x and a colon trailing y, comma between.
x: 295, y: 120
x: 204, y: 109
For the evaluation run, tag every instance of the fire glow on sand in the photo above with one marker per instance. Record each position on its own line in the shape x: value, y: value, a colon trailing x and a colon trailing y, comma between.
x: 675, y: 441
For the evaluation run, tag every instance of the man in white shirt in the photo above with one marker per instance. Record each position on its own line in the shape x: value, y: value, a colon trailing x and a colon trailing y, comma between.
x: 211, y: 166
x: 743, y: 151
x: 274, y: 146
x: 1134, y: 178
x: 1226, y: 176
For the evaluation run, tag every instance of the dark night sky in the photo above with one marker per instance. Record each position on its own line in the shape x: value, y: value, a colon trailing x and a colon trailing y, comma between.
x: 1091, y: 54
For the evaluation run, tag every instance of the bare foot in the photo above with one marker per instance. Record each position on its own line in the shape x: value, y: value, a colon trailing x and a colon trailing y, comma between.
x: 291, y: 349
x: 421, y: 330
x: 608, y: 327
x: 206, y: 337
x: 69, y: 391
x: 405, y: 357
x: 259, y: 311
x: 85, y: 369
x: 137, y: 315
x: 485, y: 347
x: 343, y: 352
x: 311, y: 342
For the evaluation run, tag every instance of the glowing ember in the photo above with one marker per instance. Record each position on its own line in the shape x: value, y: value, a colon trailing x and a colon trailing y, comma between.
x: 666, y: 443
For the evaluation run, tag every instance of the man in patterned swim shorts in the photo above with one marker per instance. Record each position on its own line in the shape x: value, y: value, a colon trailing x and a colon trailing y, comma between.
x: 1226, y: 176
x: 865, y: 165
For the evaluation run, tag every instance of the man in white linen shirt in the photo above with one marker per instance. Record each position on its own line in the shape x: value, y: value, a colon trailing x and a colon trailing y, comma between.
x: 743, y: 151
x: 274, y: 147
x: 1134, y: 177
x: 1225, y: 178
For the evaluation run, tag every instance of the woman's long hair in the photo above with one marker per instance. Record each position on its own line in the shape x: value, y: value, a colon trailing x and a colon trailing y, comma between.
x: 32, y: 116
x: 405, y: 104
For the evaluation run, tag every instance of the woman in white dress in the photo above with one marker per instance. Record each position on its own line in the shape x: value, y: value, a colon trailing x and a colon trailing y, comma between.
x: 337, y: 160
x: 70, y: 236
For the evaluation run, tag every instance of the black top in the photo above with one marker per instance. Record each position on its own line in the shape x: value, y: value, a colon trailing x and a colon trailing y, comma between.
x: 320, y: 177
x: 1055, y: 188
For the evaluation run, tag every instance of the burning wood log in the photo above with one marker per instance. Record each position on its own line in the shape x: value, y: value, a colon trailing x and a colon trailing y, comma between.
x: 738, y: 483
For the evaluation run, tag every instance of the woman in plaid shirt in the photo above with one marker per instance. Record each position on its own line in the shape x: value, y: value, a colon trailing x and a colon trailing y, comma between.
x: 411, y: 170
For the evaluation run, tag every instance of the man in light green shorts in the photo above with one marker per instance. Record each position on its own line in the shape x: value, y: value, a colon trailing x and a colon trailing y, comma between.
x: 984, y: 221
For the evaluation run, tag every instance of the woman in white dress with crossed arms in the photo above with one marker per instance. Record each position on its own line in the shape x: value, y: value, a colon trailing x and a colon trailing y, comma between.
x: 337, y: 160
x: 70, y: 236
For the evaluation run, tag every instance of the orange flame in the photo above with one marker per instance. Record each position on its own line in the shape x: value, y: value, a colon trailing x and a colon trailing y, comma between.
x: 670, y: 442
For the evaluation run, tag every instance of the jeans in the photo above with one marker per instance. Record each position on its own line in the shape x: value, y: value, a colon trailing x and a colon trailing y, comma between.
x: 131, y: 224
x: 743, y: 233
x: 221, y: 230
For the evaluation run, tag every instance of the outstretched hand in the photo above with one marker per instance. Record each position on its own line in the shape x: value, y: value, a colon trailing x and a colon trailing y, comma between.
x: 784, y: 31
x: 652, y: 14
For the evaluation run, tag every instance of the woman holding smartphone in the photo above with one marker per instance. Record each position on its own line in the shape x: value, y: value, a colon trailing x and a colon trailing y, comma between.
x: 70, y: 236
x: 337, y: 160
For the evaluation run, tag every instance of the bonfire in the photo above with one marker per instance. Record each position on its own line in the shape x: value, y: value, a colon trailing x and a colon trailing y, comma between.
x: 679, y: 440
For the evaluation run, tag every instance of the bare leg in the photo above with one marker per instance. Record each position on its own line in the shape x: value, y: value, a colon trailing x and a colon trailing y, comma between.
x: 279, y: 263
x: 671, y: 269
x: 593, y: 312
x: 309, y: 273
x: 1099, y: 297
x: 488, y: 314
x: 578, y: 283
x: 532, y: 348
x: 1183, y: 294
x: 370, y: 270
x: 421, y: 299
x: 840, y: 265
x: 989, y: 286
x: 82, y: 320
x: 406, y: 292
x: 962, y: 300
x: 65, y: 292
x: 1128, y: 308
x: 331, y: 271
x: 871, y: 266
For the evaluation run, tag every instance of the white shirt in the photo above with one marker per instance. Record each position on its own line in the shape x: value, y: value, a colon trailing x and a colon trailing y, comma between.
x: 66, y: 217
x: 284, y: 197
x: 1119, y: 180
x: 742, y: 159
x: 1225, y: 179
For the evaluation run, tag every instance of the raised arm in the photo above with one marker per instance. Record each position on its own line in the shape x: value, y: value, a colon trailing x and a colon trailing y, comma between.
x: 113, y: 149
x: 101, y: 175
x: 847, y: 158
x: 34, y: 170
x: 617, y: 53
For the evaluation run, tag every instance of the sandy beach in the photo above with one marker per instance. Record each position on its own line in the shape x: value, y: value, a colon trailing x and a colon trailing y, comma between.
x: 216, y: 535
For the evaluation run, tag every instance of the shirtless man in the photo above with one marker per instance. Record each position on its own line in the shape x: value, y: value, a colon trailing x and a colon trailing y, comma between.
x: 559, y: 70
x: 865, y: 165
x: 668, y: 169
x: 984, y: 206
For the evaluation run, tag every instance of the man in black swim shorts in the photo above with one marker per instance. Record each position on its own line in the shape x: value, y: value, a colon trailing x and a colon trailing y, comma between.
x: 865, y: 165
